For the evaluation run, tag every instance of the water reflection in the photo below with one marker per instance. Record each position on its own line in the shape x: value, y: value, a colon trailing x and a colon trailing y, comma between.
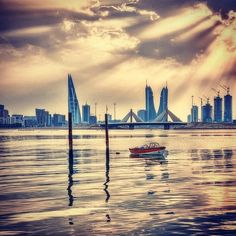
x: 70, y: 177
x: 107, y: 177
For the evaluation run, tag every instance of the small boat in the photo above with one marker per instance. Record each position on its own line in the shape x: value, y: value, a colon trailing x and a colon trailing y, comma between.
x: 148, y: 149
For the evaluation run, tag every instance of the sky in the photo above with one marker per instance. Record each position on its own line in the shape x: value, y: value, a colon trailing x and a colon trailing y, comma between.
x: 112, y: 48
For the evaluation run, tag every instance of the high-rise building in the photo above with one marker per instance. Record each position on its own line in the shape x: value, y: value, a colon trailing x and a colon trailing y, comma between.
x: 142, y: 114
x: 150, y: 107
x: 163, y: 101
x: 58, y: 120
x: 73, y: 104
x: 86, y: 113
x: 228, y: 108
x: 207, y: 112
x: 218, y: 109
x: 194, y: 113
x: 41, y: 117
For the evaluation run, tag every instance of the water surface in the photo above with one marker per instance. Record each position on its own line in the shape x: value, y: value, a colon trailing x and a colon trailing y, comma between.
x: 45, y: 190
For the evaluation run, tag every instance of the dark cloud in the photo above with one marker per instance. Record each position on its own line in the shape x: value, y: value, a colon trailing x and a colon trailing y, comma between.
x: 166, y: 7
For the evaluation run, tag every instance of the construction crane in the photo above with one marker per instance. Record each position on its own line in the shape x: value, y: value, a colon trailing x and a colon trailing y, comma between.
x: 225, y: 88
x: 217, y: 92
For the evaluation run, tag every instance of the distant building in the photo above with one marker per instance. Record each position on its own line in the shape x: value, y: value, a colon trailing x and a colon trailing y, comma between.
x: 4, y: 116
x: 163, y: 106
x: 189, y: 118
x: 17, y: 119
x: 86, y: 113
x: 73, y: 104
x: 30, y: 121
x: 207, y: 113
x: 194, y: 113
x: 228, y: 108
x: 218, y: 109
x: 92, y: 120
x: 109, y: 117
x: 142, y: 114
x: 58, y: 120
x: 150, y: 107
x: 44, y: 119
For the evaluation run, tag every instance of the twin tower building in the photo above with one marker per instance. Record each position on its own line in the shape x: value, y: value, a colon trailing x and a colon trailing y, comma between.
x: 148, y: 115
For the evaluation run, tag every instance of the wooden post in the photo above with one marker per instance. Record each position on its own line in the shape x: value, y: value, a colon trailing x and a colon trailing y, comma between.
x: 106, y: 130
x: 70, y: 131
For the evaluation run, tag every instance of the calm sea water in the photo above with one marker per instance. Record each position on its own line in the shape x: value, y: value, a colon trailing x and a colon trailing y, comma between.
x: 192, y: 191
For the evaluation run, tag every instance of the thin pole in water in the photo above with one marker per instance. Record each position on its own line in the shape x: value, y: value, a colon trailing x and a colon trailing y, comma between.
x: 106, y: 131
x: 70, y: 131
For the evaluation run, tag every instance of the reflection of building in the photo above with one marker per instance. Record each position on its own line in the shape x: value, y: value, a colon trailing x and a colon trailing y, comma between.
x: 194, y: 113
x: 86, y: 113
x: 228, y: 108
x: 142, y: 114
x: 58, y: 120
x: 218, y: 109
x: 207, y: 112
x: 163, y: 101
x: 73, y: 104
x: 150, y: 107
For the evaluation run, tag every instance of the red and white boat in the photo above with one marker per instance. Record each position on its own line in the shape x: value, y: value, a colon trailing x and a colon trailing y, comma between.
x: 148, y: 149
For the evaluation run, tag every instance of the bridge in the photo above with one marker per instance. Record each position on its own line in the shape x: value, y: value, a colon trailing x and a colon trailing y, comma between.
x: 132, y: 125
x: 161, y: 120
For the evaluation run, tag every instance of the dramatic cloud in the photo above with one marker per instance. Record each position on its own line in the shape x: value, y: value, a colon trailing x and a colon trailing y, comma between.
x: 111, y: 47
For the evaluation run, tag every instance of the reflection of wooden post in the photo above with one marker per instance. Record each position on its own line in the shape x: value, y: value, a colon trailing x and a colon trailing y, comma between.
x: 70, y: 131
x: 106, y: 130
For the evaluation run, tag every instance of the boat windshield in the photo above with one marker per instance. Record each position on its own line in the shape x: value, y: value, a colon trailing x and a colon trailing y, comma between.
x: 150, y: 145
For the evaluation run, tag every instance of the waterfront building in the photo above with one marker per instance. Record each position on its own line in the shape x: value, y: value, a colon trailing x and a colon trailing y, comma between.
x: 194, y: 113
x: 207, y: 112
x: 163, y: 106
x: 17, y: 119
x: 109, y: 117
x: 218, y: 109
x: 4, y: 116
x: 30, y: 121
x: 86, y: 113
x: 73, y: 104
x: 92, y: 120
x: 58, y: 120
x: 228, y: 108
x: 189, y: 118
x: 44, y: 119
x: 150, y: 107
x: 142, y: 114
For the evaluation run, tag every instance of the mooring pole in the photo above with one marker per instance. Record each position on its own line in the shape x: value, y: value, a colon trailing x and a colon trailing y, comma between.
x: 106, y: 130
x: 70, y: 131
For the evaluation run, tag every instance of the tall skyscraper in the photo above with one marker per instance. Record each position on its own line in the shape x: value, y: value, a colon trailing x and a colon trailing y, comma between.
x: 218, y: 109
x: 228, y: 107
x: 150, y: 107
x: 86, y: 113
x: 73, y: 104
x: 142, y: 114
x: 207, y: 112
x: 163, y: 101
x: 194, y: 113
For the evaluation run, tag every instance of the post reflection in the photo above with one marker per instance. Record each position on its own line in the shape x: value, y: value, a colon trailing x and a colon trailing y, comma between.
x: 107, y: 180
x: 107, y: 175
x: 70, y: 177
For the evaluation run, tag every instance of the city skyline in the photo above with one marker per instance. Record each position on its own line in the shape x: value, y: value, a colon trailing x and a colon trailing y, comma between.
x: 111, y: 48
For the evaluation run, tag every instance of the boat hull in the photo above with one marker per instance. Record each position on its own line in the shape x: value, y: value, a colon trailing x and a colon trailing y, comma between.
x: 154, y: 151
